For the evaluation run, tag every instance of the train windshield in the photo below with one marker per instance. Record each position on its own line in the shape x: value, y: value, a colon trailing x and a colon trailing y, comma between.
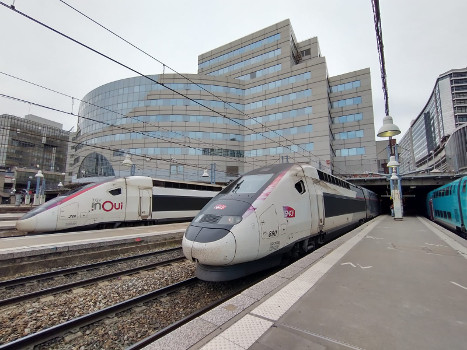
x: 249, y: 184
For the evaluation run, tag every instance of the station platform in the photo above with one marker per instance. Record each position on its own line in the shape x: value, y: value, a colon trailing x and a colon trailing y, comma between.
x: 386, y: 285
x: 37, y: 244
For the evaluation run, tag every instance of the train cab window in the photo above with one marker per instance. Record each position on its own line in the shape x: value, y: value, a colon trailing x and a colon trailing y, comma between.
x: 250, y: 183
x: 300, y: 187
x: 116, y: 191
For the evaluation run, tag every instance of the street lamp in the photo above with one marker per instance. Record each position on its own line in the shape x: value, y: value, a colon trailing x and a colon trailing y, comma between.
x: 37, y: 195
x: 389, y: 129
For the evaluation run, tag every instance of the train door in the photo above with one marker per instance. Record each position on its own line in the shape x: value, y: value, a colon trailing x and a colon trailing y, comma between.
x: 316, y: 201
x: 145, y: 201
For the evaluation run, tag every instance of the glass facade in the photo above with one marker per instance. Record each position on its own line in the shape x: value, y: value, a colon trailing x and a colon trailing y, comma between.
x: 440, y: 118
x: 28, y: 144
x: 250, y: 103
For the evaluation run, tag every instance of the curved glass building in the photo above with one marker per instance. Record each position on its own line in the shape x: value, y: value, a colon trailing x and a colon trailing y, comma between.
x: 262, y: 99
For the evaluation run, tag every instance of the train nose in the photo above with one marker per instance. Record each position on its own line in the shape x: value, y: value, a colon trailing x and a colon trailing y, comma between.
x: 27, y: 225
x: 209, y: 246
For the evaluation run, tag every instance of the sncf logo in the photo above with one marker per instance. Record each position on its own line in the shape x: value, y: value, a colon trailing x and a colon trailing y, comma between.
x: 220, y: 206
x: 289, y: 212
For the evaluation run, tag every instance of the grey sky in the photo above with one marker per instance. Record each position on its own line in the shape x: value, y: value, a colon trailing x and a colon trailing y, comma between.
x: 422, y: 39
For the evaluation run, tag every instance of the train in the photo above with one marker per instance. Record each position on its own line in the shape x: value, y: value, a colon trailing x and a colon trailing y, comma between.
x: 120, y: 201
x: 270, y: 215
x: 447, y: 205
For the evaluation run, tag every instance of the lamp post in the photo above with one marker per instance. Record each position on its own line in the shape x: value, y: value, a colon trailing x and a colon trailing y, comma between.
x: 38, y: 177
x: 27, y: 197
x: 389, y: 129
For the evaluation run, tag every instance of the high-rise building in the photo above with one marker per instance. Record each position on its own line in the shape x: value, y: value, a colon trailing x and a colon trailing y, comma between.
x: 422, y: 146
x: 262, y: 99
x: 30, y: 144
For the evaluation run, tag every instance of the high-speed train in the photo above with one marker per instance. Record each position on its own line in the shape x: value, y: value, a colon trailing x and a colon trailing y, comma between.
x: 120, y: 201
x: 447, y: 205
x: 269, y: 213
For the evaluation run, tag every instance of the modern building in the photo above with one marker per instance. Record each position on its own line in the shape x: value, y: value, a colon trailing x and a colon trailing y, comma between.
x: 422, y: 146
x: 30, y: 144
x: 262, y: 99
x: 456, y: 150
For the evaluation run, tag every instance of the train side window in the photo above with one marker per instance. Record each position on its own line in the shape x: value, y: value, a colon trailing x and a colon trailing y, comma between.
x: 449, y: 215
x: 116, y: 191
x: 300, y: 187
x: 464, y: 185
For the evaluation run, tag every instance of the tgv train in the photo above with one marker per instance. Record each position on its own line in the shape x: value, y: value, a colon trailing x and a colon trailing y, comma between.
x: 271, y: 213
x: 447, y: 205
x: 120, y: 201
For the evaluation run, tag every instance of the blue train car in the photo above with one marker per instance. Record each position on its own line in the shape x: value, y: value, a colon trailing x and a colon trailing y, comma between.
x: 447, y: 204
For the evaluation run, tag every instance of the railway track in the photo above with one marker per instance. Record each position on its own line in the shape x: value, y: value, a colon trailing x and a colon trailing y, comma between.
x: 26, y: 288
x: 111, y: 328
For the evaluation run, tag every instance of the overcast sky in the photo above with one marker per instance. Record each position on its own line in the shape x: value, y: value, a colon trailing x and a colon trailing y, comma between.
x: 422, y: 39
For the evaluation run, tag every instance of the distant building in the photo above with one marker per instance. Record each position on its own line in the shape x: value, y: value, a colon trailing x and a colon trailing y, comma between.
x: 262, y: 99
x: 422, y: 146
x: 30, y: 144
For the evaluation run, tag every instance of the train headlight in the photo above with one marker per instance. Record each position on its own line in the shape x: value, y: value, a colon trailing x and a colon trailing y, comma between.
x: 230, y: 220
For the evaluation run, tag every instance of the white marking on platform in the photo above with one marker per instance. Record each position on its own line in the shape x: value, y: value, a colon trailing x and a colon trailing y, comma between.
x: 371, y: 237
x: 436, y: 245
x: 450, y: 241
x: 365, y: 267
x: 459, y: 285
x: 353, y: 265
x: 323, y: 337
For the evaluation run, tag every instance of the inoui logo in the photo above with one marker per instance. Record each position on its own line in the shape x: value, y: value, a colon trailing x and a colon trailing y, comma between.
x: 107, y: 206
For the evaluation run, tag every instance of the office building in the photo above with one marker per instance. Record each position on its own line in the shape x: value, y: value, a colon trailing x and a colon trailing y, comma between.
x: 262, y: 99
x: 30, y: 144
x: 423, y: 146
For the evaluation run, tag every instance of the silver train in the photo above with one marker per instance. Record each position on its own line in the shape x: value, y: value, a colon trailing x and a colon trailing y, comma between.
x: 270, y: 213
x: 115, y: 202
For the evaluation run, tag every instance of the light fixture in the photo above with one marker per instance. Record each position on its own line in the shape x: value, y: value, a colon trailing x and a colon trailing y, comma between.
x: 394, y: 176
x: 205, y: 173
x: 388, y: 129
x: 127, y: 161
x: 60, y: 185
x: 392, y: 162
x: 39, y: 174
